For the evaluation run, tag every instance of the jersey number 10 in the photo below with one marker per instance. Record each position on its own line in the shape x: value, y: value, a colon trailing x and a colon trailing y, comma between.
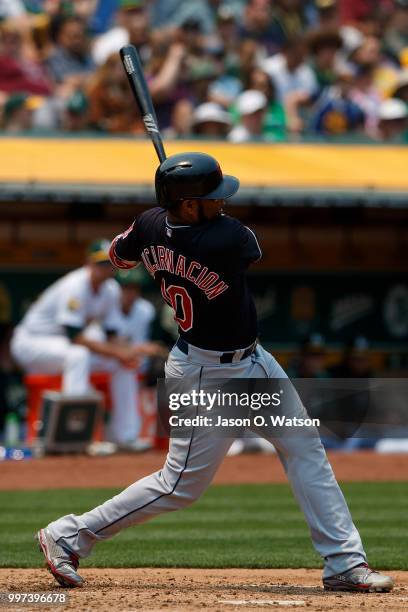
x: 182, y: 304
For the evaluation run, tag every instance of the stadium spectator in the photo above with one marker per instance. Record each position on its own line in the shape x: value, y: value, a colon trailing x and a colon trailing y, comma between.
x: 211, y: 121
x: 323, y: 47
x: 173, y: 13
x: 251, y: 106
x: 84, y: 9
x: 392, y: 116
x: 274, y: 127
x: 289, y: 15
x: 259, y: 24
x: 396, y: 33
x: 365, y: 94
x: 225, y: 88
x: 191, y: 35
x: 227, y: 29
x: 289, y: 70
x: 201, y: 74
x: 367, y: 53
x: 111, y: 105
x: 131, y: 27
x: 249, y: 58
x: 164, y: 74
x: 75, y: 115
x: 335, y: 113
x: 11, y: 8
x: 18, y: 112
x: 327, y: 14
x: 400, y: 89
x: 368, y: 56
x: 181, y: 120
x: 357, y: 12
x: 294, y: 79
x: 103, y: 17
x: 227, y: 85
x: 70, y: 58
x: 224, y: 46
x: 20, y: 70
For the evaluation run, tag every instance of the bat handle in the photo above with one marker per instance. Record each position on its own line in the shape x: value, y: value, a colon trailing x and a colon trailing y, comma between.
x: 161, y: 153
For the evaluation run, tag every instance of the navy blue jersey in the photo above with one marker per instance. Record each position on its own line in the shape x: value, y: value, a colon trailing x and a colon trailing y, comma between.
x: 201, y: 272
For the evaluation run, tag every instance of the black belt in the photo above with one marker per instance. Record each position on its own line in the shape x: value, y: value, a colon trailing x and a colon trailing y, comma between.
x: 225, y: 357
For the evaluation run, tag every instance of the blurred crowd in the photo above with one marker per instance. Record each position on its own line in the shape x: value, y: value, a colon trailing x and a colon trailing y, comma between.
x: 266, y: 70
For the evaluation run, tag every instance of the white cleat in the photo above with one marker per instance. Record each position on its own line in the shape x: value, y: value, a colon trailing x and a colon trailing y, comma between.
x: 62, y: 564
x: 362, y: 579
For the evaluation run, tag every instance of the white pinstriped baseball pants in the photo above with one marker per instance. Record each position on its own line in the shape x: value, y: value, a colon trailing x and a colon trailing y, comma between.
x: 192, y: 462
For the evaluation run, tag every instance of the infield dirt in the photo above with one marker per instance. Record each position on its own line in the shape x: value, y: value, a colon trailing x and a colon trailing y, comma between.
x: 183, y: 590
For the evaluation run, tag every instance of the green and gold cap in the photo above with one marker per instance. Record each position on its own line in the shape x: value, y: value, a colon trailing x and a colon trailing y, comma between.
x: 98, y: 251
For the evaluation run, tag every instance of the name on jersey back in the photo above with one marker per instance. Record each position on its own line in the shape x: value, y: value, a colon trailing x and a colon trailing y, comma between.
x: 160, y: 258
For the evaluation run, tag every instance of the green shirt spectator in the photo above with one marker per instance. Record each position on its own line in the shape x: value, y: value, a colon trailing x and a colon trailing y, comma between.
x: 274, y: 121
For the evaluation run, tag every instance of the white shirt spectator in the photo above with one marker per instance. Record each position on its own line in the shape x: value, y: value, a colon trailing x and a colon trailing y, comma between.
x: 251, y: 106
x: 302, y: 79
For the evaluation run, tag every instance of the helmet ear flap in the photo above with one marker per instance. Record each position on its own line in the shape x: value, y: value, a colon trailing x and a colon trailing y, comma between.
x: 163, y: 180
x: 162, y: 192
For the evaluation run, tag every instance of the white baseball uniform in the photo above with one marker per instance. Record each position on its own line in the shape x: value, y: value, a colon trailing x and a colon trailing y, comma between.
x: 135, y: 326
x: 40, y: 344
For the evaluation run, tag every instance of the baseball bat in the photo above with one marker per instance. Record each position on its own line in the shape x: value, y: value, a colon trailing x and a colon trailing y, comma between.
x: 133, y: 67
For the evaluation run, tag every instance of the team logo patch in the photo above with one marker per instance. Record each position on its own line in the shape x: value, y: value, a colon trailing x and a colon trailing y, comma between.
x: 74, y: 304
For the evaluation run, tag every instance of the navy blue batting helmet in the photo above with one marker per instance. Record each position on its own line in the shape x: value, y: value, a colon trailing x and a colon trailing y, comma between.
x: 191, y: 176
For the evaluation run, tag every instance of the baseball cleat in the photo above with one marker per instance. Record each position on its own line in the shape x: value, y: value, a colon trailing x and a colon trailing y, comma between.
x: 361, y: 579
x: 62, y: 564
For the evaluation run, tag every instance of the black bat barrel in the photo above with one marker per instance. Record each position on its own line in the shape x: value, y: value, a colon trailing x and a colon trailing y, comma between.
x: 137, y: 81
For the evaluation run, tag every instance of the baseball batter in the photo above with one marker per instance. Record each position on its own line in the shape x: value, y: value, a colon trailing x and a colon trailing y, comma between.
x: 199, y: 255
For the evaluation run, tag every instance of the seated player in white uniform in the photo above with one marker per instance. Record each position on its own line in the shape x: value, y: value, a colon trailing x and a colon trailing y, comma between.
x: 51, y: 340
x: 136, y: 312
x: 136, y: 318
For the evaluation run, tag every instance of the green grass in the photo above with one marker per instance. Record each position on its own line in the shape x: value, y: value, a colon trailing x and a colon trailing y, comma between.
x: 257, y: 526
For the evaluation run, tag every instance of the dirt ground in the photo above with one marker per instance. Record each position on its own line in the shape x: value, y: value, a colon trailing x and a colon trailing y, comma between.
x: 121, y: 470
x: 183, y: 590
